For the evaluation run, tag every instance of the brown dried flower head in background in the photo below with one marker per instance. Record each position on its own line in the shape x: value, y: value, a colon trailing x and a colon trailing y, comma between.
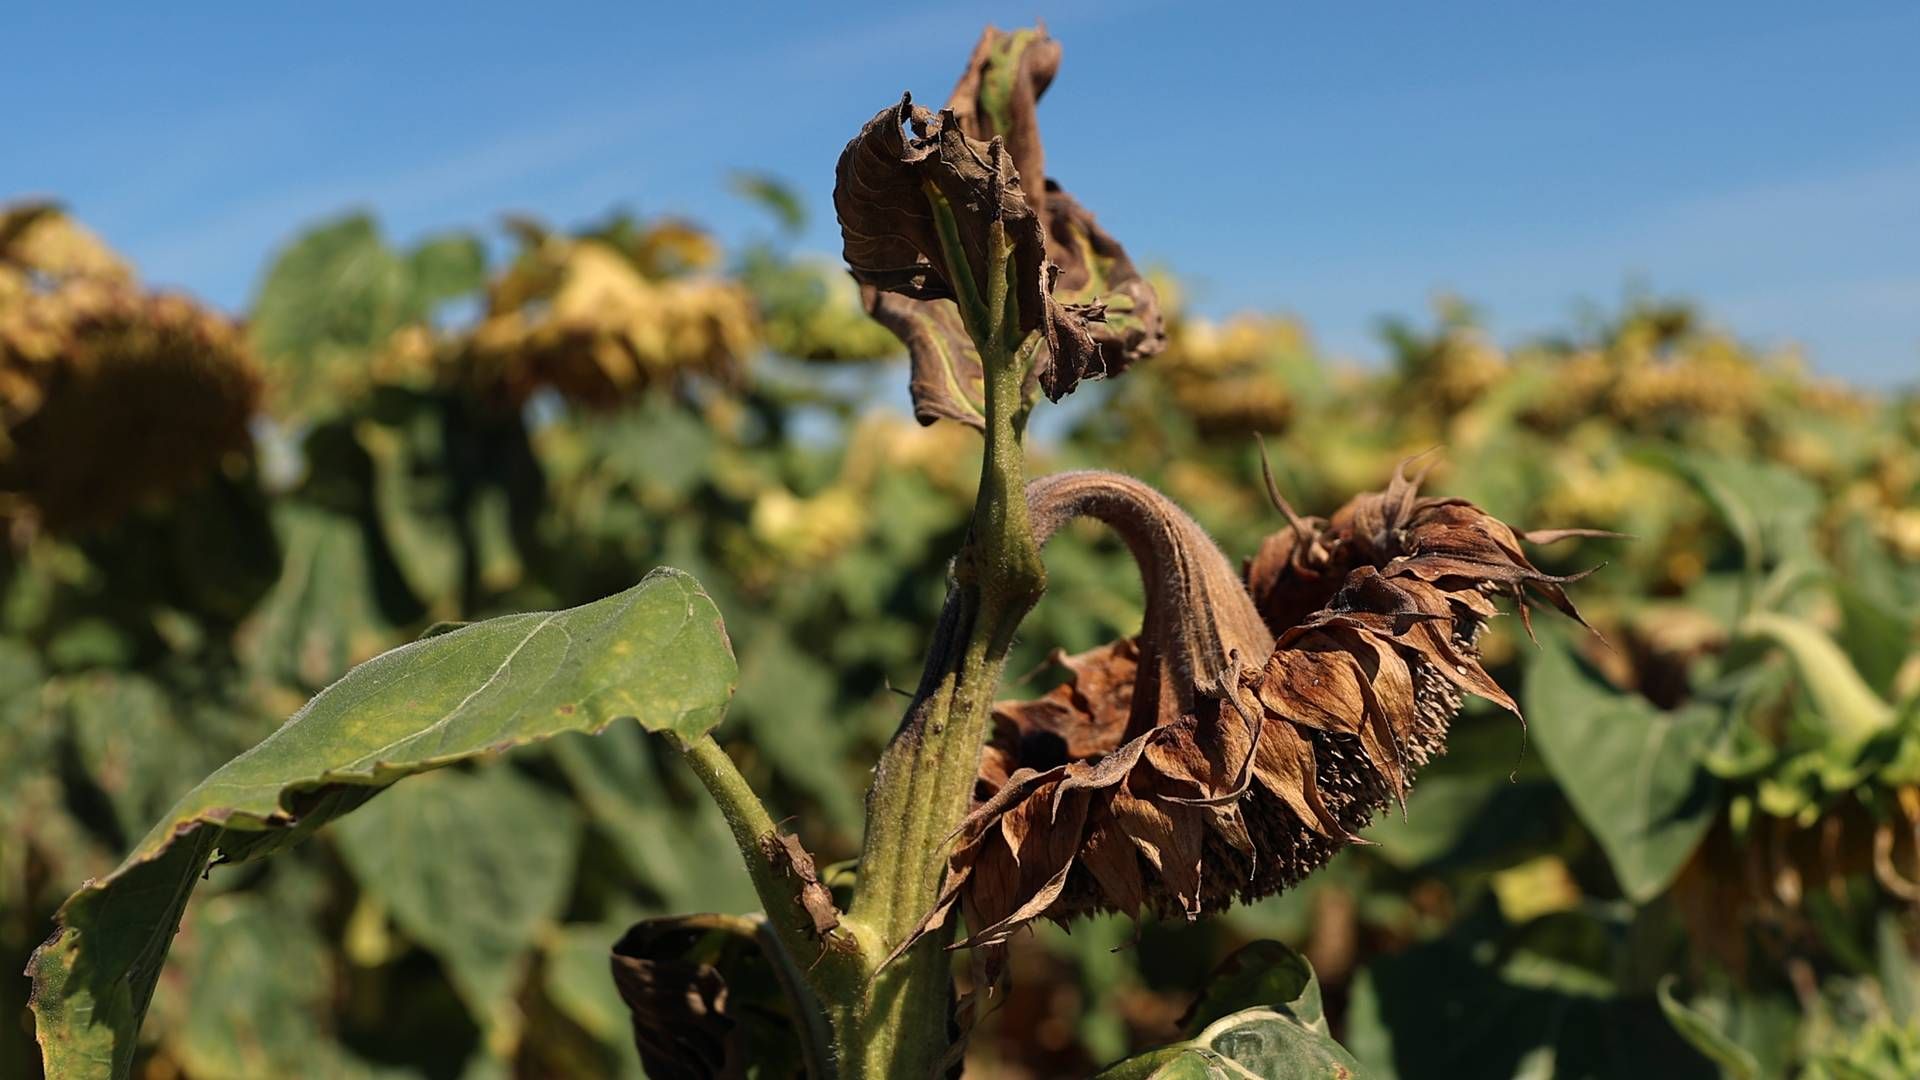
x: 1254, y: 725
x: 110, y: 396
x: 603, y: 320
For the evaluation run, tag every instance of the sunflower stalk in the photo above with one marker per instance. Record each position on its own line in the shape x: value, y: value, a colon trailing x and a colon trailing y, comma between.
x: 923, y: 785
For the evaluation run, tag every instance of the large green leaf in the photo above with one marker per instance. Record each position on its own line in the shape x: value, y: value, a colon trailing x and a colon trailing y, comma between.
x: 1632, y: 772
x: 656, y: 652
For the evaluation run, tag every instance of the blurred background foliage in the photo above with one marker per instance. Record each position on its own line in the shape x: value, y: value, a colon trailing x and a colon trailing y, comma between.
x: 1699, y: 856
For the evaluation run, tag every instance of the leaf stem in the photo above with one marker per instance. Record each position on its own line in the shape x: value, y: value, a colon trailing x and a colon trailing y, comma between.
x: 833, y: 968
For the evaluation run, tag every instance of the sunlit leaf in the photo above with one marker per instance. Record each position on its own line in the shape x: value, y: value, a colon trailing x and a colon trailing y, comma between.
x: 656, y: 652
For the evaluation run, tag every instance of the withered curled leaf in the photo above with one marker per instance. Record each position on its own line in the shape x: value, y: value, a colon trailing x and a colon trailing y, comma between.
x: 999, y: 92
x: 947, y: 381
x: 706, y: 999
x: 997, y: 96
x: 918, y: 202
x: 1096, y: 277
x: 1252, y: 728
x: 916, y: 213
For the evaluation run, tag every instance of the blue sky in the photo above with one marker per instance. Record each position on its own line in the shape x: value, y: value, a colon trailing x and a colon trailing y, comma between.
x: 1341, y: 162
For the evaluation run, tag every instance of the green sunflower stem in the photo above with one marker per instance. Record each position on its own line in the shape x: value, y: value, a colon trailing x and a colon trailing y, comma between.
x: 901, y: 1026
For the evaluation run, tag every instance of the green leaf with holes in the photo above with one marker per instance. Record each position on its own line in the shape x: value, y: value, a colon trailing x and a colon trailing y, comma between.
x: 656, y: 653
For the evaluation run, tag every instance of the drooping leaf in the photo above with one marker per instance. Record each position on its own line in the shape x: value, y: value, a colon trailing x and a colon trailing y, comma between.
x: 1734, y: 1060
x: 472, y: 867
x: 1632, y: 772
x: 1841, y: 698
x: 656, y: 652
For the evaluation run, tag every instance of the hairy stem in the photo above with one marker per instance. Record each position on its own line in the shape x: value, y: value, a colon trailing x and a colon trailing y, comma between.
x: 924, y: 783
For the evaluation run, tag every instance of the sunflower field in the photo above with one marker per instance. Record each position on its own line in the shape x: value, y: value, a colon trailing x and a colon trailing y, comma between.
x: 1697, y: 855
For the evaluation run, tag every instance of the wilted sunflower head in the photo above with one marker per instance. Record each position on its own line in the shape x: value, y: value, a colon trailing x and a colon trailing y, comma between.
x: 1254, y: 725
x: 920, y: 195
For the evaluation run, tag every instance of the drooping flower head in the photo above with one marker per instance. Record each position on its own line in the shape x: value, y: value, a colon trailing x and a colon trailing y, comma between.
x: 1254, y: 725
